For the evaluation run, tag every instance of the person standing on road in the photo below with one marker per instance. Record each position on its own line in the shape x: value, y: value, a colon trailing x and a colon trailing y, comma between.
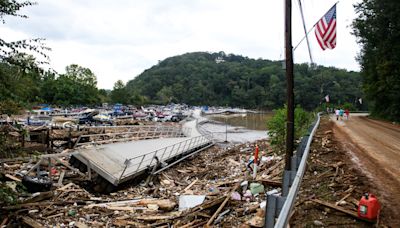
x: 341, y: 112
x: 347, y: 113
x: 337, y: 112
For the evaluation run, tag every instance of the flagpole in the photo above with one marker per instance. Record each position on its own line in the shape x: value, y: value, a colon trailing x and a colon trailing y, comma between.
x: 294, y: 49
x: 305, y: 31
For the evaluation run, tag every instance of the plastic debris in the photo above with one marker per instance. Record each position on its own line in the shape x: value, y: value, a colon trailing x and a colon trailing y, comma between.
x: 256, y: 188
x: 236, y: 196
x: 190, y: 201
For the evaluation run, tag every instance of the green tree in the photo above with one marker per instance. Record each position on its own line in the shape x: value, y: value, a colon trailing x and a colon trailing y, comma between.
x: 119, y: 93
x: 377, y: 29
x: 8, y: 50
x: 76, y: 87
x: 277, y: 126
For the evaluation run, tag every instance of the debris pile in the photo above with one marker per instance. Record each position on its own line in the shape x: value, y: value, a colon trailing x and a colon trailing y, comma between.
x: 217, y: 187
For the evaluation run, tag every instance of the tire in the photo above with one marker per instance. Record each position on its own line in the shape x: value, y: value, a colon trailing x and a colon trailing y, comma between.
x: 37, y: 184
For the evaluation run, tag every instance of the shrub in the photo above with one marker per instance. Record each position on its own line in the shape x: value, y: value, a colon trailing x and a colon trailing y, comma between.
x: 277, y: 126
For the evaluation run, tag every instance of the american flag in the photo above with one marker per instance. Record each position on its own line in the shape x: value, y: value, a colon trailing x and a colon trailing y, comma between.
x: 325, y: 30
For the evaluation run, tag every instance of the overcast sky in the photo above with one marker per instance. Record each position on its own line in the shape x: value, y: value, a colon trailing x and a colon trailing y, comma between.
x: 120, y: 39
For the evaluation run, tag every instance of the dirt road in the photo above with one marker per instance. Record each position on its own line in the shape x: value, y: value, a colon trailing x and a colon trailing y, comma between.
x: 374, y: 147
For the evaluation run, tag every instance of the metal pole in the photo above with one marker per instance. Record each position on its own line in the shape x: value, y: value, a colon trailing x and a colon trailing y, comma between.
x: 305, y: 31
x: 289, y: 79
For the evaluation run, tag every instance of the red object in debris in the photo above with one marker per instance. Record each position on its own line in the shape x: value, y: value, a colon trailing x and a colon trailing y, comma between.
x: 53, y: 171
x: 256, y: 155
x: 369, y: 207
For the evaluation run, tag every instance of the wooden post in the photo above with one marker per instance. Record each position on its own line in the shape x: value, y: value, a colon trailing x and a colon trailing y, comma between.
x: 289, y: 88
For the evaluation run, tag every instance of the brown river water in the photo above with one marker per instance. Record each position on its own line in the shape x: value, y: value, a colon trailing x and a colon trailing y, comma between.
x: 253, y: 121
x: 238, y: 128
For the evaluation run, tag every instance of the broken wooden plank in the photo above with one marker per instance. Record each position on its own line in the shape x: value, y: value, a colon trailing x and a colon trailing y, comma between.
x: 190, y: 185
x: 272, y: 183
x: 4, y: 222
x: 81, y: 225
x: 46, y: 203
x: 65, y: 187
x: 345, y: 197
x: 157, y: 217
x: 12, y: 178
x: 228, y: 196
x: 56, y: 215
x: 206, y: 205
x: 341, y: 209
x: 164, y: 204
x: 131, y: 209
x: 61, y: 178
x: 30, y: 222
x: 39, y: 197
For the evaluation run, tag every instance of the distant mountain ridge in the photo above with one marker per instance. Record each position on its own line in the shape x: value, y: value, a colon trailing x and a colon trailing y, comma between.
x: 202, y: 78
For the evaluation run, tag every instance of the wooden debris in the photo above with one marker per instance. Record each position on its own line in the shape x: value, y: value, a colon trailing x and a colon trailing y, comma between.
x: 56, y: 215
x: 163, y: 204
x: 12, y: 178
x: 65, y: 187
x: 42, y: 196
x: 190, y: 185
x: 256, y: 221
x: 158, y: 217
x: 338, y: 208
x: 131, y: 209
x: 81, y: 225
x: 30, y: 222
x: 61, y: 178
x: 342, y: 199
x: 223, y: 204
x: 270, y: 182
x: 4, y: 222
x: 234, y: 162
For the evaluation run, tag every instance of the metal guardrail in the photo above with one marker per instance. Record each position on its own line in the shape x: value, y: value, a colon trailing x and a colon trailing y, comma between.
x: 289, y: 198
x: 137, y: 133
x: 142, y: 162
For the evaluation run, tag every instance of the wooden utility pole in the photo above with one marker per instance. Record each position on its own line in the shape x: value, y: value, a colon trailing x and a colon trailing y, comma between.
x: 289, y: 80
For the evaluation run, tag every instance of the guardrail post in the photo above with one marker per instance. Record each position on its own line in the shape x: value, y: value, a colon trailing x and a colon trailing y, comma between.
x: 274, y: 207
x: 293, y: 163
x: 288, y: 177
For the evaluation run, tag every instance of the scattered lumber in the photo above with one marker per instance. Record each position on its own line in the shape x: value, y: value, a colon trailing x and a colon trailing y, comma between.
x: 338, y: 208
x: 223, y: 204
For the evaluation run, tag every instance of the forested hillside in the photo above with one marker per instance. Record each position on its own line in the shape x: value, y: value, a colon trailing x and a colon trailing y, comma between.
x: 218, y: 79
